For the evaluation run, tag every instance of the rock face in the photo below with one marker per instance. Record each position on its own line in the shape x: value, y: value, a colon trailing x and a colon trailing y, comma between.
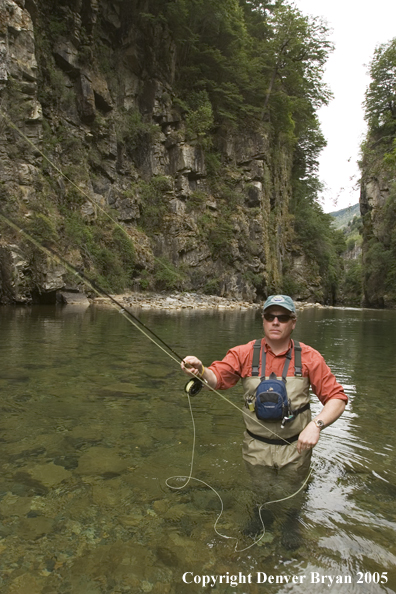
x: 90, y: 125
x: 373, y: 196
x: 377, y: 228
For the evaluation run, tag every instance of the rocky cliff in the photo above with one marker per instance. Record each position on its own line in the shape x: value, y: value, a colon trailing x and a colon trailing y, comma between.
x: 377, y: 204
x: 378, y: 188
x: 91, y: 124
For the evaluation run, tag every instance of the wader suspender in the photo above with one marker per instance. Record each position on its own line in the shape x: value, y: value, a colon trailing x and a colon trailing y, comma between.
x: 256, y: 359
x: 297, y: 372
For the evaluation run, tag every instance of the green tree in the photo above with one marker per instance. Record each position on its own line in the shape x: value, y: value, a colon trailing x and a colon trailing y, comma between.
x: 380, y: 101
x: 352, y: 282
x: 297, y: 51
x: 250, y: 57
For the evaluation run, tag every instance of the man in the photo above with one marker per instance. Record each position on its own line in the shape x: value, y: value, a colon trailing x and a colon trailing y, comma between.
x: 286, y: 441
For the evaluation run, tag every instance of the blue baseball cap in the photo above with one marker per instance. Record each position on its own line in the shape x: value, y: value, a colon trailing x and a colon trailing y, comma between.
x: 280, y: 300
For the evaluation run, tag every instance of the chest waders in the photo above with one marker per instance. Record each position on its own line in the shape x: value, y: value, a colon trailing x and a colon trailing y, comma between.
x: 259, y: 437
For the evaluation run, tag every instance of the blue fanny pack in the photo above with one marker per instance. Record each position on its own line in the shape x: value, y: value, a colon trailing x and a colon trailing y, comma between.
x: 271, y: 402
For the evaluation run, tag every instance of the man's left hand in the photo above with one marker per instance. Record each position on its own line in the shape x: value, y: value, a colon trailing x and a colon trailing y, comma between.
x: 309, y: 437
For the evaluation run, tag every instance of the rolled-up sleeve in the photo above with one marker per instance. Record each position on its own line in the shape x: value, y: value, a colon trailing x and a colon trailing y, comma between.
x: 234, y: 366
x: 323, y: 382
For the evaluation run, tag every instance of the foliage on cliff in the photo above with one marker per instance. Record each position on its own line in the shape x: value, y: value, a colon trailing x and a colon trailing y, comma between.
x: 195, y: 122
x: 255, y: 59
x: 378, y: 196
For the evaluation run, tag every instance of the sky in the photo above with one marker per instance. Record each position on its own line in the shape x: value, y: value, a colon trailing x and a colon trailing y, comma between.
x: 357, y: 29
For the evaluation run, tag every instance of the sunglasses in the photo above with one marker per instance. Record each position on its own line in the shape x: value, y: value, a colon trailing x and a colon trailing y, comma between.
x: 282, y: 318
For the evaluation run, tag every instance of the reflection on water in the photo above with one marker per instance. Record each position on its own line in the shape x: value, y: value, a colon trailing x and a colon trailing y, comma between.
x: 94, y: 420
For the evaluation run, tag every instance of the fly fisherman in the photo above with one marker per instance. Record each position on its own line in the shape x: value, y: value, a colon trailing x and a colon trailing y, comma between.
x: 279, y: 431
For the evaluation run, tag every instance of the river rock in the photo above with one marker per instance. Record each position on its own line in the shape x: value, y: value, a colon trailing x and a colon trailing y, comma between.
x: 116, y: 561
x: 99, y: 460
x: 110, y: 493
x: 34, y: 528
x: 12, y: 505
x: 49, y: 475
x: 27, y: 584
x: 72, y: 298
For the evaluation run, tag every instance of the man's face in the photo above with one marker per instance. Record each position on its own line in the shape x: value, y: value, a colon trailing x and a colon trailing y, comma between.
x: 275, y: 330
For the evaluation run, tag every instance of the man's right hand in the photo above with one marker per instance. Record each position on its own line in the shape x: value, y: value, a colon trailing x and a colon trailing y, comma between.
x: 192, y: 366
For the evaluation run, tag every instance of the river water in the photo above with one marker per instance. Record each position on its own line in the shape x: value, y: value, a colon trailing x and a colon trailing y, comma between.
x: 94, y: 421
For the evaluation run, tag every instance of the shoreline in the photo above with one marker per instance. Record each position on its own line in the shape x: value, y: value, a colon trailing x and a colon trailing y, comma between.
x: 172, y: 301
x: 178, y: 301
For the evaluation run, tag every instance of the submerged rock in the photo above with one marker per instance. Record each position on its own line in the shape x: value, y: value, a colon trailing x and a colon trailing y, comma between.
x: 99, y: 460
x: 49, y: 475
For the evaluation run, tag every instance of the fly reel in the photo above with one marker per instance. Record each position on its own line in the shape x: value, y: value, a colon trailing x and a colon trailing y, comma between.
x: 193, y: 386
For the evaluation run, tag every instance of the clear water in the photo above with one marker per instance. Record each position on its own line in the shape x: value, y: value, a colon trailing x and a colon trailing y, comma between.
x: 94, y: 420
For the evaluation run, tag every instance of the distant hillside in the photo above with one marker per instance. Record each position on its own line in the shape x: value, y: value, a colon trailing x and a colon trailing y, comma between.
x: 345, y: 215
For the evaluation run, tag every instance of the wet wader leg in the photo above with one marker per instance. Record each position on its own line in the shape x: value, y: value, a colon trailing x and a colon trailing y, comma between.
x: 269, y: 483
